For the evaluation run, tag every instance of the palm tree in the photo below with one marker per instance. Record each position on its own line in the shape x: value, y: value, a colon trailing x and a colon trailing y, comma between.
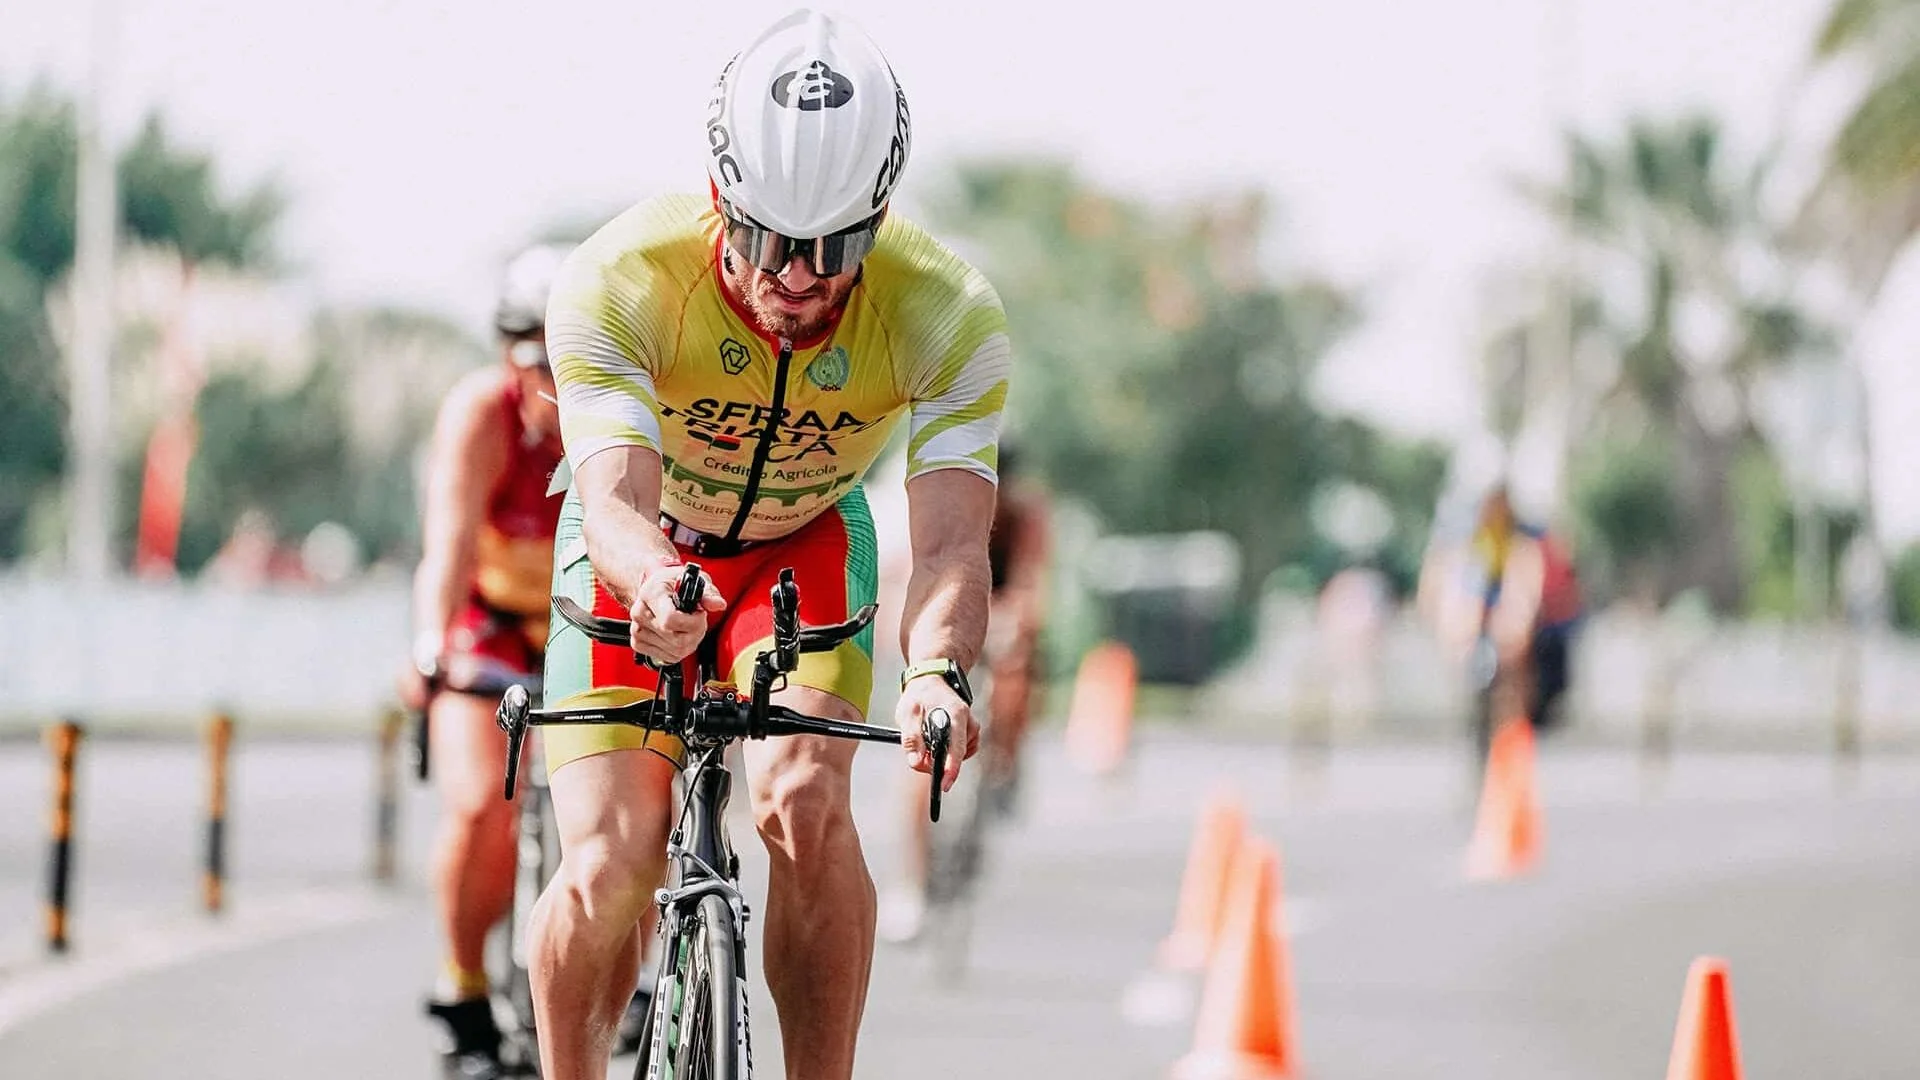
x: 1865, y: 207
x: 1164, y: 377
x: 1867, y: 204
x: 1692, y: 301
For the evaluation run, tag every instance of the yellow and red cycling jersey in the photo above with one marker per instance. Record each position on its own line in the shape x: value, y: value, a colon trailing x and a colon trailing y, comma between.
x: 650, y: 350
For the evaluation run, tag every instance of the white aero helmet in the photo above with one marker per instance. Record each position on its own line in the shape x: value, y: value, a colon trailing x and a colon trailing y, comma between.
x: 522, y: 306
x: 807, y: 130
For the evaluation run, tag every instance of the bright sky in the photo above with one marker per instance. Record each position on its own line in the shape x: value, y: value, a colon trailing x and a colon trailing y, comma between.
x: 421, y: 139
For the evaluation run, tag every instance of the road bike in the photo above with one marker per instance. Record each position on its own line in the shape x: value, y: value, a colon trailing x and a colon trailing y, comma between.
x: 698, y: 1028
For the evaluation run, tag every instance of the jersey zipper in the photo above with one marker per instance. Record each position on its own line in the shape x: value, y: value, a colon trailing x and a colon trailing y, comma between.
x: 767, y: 437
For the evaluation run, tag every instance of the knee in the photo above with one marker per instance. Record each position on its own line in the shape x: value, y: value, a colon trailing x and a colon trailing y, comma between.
x: 472, y: 813
x: 610, y: 881
x: 803, y: 806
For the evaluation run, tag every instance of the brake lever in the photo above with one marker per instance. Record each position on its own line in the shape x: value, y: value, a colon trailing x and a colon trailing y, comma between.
x: 515, y: 704
x: 938, y: 730
x: 786, y: 622
x: 687, y: 596
x: 420, y: 752
x: 422, y: 742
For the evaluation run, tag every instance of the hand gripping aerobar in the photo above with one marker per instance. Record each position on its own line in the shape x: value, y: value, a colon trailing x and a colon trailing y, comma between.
x: 718, y: 713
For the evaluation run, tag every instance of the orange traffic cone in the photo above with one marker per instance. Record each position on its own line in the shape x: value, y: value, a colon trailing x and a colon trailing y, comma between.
x: 1704, y: 1044
x: 1245, y: 1031
x: 1100, y: 718
x: 1203, y: 889
x: 1507, y: 832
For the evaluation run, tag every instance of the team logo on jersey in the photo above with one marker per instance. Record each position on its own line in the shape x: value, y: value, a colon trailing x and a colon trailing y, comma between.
x: 829, y: 370
x: 733, y: 356
x: 813, y: 88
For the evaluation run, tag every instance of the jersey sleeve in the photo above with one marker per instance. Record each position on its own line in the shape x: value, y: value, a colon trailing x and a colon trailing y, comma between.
x: 960, y: 388
x: 606, y: 323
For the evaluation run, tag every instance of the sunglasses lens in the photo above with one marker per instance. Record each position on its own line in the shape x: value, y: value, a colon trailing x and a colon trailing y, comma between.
x: 761, y: 248
x: 770, y: 251
x: 836, y: 254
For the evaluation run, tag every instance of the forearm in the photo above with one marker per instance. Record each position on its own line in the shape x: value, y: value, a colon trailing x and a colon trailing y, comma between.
x: 439, y: 587
x: 620, y: 494
x: 945, y: 614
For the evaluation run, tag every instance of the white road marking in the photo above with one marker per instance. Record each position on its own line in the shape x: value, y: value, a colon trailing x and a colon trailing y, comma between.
x: 31, y: 989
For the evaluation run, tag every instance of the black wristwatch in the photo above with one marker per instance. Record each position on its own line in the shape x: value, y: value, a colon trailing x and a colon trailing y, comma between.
x: 946, y: 669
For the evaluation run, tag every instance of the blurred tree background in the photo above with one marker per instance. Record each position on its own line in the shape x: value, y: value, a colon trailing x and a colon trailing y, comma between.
x: 1711, y: 427
x: 1717, y: 427
x: 1166, y: 372
x: 302, y: 425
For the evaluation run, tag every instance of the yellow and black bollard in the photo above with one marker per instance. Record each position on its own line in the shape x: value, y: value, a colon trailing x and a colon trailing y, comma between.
x: 386, y: 814
x: 219, y: 747
x: 64, y: 740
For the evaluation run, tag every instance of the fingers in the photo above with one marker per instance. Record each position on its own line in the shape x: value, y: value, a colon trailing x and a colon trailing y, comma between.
x: 660, y: 629
x: 966, y: 736
x: 913, y: 740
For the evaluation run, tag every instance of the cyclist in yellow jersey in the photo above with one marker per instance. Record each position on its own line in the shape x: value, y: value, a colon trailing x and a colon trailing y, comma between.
x: 728, y: 368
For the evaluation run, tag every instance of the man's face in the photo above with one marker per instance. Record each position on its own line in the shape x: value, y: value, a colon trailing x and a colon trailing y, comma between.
x: 794, y: 303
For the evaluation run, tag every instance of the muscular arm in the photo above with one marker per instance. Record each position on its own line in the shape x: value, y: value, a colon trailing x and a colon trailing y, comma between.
x: 945, y: 615
x: 620, y: 494
x: 464, y: 464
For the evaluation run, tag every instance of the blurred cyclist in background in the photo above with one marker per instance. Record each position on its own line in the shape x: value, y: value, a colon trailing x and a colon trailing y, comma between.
x: 480, y: 610
x: 1017, y: 552
x: 1506, y: 602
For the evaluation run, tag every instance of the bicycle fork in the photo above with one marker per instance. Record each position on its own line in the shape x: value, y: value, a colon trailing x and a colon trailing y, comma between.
x: 698, y: 855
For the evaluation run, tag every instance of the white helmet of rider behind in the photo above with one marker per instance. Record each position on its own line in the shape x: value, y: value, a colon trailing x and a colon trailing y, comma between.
x: 528, y: 279
x: 807, y: 131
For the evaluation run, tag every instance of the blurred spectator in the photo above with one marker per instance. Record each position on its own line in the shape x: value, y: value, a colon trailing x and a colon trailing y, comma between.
x: 1352, y: 615
x: 254, y: 555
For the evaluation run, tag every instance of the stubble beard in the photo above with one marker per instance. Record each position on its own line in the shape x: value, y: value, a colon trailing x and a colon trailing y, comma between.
x: 755, y: 288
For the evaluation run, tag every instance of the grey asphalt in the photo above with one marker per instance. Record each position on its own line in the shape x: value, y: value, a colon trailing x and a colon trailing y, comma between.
x: 1805, y: 879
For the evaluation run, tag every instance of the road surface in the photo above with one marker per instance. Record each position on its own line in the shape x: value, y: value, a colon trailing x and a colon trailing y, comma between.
x: 1809, y: 886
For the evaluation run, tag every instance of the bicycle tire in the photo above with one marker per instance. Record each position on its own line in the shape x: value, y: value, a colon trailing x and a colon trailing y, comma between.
x: 953, y: 878
x: 955, y: 868
x: 534, y: 860
x: 703, y: 1000
x: 533, y: 864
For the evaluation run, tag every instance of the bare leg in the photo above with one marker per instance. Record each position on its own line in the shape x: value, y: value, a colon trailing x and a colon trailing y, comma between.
x: 820, y: 899
x: 473, y: 856
x: 612, y: 812
x: 916, y: 855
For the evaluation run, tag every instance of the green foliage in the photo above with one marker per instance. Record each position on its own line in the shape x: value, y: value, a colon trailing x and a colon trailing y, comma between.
x: 1164, y: 379
x: 1770, y: 540
x: 1627, y: 518
x: 1905, y: 587
x: 168, y: 195
x: 1863, y: 208
x: 337, y: 445
x: 1690, y: 287
x: 285, y: 454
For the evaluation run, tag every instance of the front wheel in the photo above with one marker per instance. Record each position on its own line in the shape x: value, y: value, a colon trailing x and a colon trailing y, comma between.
x: 534, y: 859
x: 699, y: 1025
